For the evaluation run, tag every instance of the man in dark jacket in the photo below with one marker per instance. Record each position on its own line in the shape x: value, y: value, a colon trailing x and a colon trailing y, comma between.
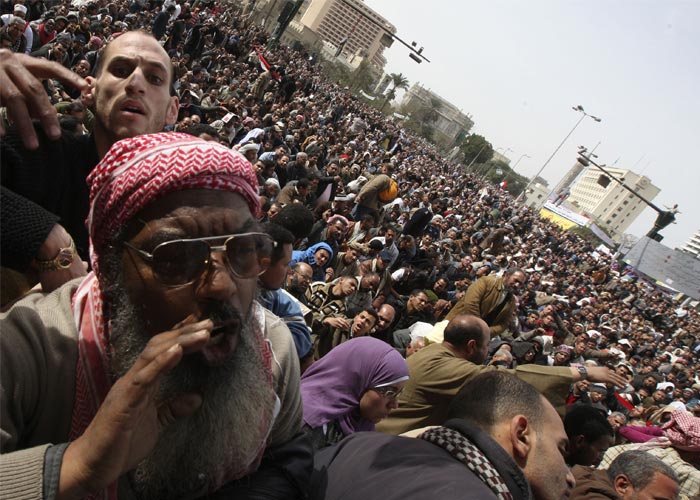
x: 504, y: 440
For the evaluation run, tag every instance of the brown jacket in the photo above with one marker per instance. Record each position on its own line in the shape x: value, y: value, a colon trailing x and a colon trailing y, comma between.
x: 481, y: 298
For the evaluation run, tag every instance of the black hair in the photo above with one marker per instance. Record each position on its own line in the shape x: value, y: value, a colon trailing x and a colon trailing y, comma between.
x: 281, y: 236
x: 296, y: 218
x: 496, y: 396
x: 587, y: 421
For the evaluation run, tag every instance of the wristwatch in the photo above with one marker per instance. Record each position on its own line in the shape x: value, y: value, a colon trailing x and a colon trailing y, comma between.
x: 63, y: 260
x: 584, y: 373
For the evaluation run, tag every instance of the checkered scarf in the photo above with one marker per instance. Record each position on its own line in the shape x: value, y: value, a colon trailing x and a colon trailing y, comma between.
x: 683, y: 430
x: 466, y: 452
x: 135, y: 172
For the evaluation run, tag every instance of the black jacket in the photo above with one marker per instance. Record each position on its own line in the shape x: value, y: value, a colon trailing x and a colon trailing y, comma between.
x: 375, y: 466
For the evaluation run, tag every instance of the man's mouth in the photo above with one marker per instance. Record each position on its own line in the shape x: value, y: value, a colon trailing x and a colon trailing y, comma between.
x: 223, y: 341
x: 133, y: 107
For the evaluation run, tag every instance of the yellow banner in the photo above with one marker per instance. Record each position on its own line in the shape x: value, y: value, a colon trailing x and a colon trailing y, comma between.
x: 557, y: 219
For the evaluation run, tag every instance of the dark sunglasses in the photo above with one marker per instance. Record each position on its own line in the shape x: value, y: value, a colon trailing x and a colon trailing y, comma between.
x: 180, y: 262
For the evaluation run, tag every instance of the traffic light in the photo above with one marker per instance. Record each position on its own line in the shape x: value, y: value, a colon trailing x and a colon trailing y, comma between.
x: 604, y: 180
x: 415, y: 58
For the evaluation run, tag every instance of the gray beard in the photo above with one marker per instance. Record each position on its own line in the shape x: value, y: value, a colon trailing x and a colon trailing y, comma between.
x: 198, y: 454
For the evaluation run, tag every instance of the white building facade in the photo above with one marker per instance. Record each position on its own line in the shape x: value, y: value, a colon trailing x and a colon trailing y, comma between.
x: 612, y: 207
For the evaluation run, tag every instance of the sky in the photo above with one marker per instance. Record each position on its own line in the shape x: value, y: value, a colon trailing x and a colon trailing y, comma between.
x: 517, y: 68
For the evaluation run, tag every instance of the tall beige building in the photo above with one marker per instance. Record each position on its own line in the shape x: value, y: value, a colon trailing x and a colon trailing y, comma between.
x: 335, y: 21
x: 450, y: 122
x: 612, y: 207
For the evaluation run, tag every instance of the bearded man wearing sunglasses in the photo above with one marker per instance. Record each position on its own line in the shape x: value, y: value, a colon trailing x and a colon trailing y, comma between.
x: 159, y: 373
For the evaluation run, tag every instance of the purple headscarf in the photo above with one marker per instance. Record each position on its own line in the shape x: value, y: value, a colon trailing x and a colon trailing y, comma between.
x: 332, y: 387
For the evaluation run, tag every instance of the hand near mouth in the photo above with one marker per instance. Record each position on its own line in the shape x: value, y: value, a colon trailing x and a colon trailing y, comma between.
x: 127, y: 424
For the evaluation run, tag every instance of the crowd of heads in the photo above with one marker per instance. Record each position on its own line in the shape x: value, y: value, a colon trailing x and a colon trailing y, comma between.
x: 314, y: 147
x: 311, y: 137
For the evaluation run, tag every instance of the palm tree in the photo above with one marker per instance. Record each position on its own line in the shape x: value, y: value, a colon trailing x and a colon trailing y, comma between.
x: 398, y: 81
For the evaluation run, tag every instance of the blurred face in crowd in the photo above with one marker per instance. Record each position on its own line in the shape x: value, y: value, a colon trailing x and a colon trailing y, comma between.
x: 336, y: 231
x: 362, y: 324
x: 386, y: 315
x: 322, y: 257
x: 418, y: 302
x: 514, y: 282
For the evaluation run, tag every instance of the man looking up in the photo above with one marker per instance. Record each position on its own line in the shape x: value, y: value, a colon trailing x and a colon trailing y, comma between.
x: 189, y: 397
x: 503, y: 440
x: 132, y: 94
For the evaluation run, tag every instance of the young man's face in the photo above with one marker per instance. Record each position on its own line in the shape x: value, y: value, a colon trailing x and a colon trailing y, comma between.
x: 132, y: 90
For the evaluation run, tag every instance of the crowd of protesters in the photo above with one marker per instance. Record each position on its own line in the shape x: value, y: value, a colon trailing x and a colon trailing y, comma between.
x: 388, y: 235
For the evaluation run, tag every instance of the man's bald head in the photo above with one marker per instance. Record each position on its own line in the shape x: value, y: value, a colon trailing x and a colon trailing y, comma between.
x: 470, y: 335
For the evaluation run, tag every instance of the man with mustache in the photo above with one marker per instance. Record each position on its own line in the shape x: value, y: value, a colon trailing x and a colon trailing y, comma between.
x: 159, y: 373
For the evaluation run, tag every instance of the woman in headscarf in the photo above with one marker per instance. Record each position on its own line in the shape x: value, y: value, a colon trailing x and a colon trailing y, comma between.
x: 350, y: 389
x: 318, y: 256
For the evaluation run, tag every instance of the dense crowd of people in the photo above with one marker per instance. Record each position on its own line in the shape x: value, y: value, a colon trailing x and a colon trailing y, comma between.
x: 400, y: 277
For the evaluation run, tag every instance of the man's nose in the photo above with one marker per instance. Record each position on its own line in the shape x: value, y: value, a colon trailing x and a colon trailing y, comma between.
x: 218, y: 281
x: 570, y: 480
x: 136, y: 81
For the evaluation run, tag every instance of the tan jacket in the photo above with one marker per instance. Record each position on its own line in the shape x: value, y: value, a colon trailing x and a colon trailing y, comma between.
x: 437, y: 375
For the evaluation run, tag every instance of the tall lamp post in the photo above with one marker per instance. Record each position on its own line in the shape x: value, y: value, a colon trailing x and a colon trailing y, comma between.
x: 521, y: 157
x: 578, y: 108
x: 505, y: 151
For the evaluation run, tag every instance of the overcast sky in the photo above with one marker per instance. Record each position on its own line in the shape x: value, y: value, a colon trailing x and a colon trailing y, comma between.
x: 517, y: 67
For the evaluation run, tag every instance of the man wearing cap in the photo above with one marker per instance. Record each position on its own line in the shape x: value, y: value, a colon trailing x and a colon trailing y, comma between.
x: 20, y: 11
x: 14, y: 29
x: 159, y: 373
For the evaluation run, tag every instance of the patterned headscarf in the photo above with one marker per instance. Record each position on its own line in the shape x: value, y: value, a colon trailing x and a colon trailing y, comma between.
x: 134, y: 173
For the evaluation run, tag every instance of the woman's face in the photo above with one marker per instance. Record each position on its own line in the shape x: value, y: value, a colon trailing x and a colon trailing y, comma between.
x: 375, y: 405
x: 321, y: 257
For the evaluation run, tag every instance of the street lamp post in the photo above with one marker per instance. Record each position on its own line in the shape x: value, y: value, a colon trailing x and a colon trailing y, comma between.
x: 578, y: 108
x: 505, y: 151
x: 521, y: 157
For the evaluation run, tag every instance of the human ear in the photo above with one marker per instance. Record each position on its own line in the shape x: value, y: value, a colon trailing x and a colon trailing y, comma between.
x: 173, y: 108
x: 622, y: 484
x: 87, y: 96
x: 521, y: 438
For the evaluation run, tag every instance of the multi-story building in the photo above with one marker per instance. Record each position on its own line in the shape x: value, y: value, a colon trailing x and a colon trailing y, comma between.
x: 693, y: 245
x: 450, y: 120
x: 357, y: 34
x: 612, y: 207
x: 536, y: 195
